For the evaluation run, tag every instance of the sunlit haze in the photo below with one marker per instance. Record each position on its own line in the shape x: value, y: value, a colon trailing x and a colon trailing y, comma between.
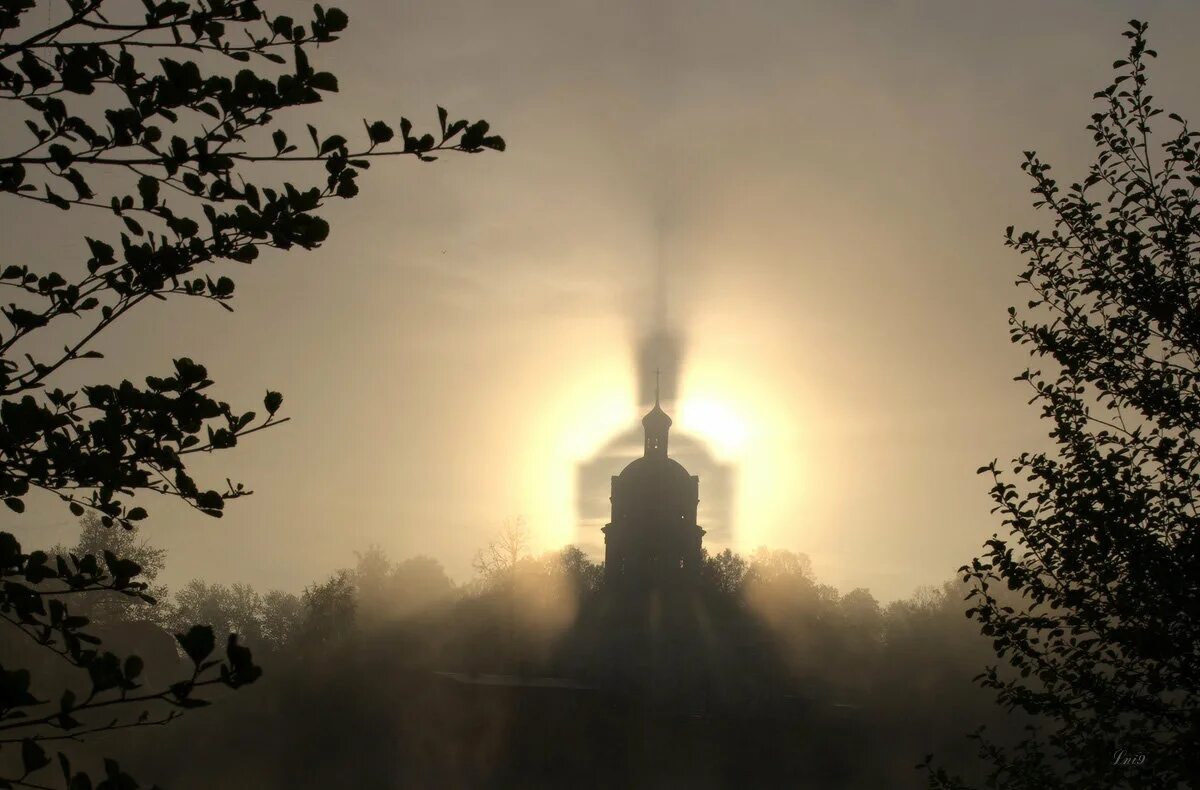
x: 820, y: 190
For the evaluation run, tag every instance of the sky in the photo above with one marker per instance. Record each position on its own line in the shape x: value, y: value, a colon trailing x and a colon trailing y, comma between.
x: 823, y: 188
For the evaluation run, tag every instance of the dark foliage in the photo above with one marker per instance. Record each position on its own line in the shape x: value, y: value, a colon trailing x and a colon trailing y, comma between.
x: 166, y: 117
x: 1102, y: 548
x: 129, y: 544
x: 34, y: 600
x: 172, y: 146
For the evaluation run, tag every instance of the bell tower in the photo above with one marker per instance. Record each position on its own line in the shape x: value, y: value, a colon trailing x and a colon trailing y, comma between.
x: 657, y: 424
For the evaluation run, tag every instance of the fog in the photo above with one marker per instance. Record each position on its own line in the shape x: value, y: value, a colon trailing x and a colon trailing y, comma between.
x: 822, y: 188
x: 537, y: 673
x: 776, y: 224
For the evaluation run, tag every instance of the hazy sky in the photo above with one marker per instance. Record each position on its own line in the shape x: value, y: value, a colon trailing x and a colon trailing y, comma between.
x: 826, y: 186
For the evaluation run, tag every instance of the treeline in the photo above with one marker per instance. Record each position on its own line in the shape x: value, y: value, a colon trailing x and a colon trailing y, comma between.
x: 326, y: 611
x: 390, y: 674
x: 776, y: 585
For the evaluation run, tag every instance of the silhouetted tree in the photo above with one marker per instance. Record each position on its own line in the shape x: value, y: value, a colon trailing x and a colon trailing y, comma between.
x: 387, y: 591
x: 416, y: 583
x: 724, y: 572
x: 778, y: 566
x: 130, y: 544
x: 583, y: 575
x: 237, y: 609
x: 282, y: 614
x: 862, y: 614
x: 371, y: 573
x: 502, y: 555
x: 34, y: 606
x: 1103, y: 546
x: 328, y: 612
x: 780, y: 587
x: 134, y: 111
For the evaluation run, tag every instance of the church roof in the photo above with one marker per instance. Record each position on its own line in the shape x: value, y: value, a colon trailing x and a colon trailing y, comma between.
x: 656, y: 418
x: 657, y: 468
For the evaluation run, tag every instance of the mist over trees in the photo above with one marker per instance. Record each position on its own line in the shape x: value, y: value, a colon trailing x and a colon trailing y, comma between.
x: 108, y: 608
x: 388, y: 673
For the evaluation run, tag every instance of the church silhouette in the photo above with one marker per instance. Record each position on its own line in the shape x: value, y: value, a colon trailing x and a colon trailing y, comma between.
x: 653, y: 540
x: 595, y: 487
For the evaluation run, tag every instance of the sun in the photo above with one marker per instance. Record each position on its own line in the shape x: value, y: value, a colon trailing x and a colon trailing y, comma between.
x: 716, y: 421
x: 740, y: 414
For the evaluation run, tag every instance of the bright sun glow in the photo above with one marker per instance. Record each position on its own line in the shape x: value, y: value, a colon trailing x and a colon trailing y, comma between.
x: 715, y: 421
x: 727, y: 405
x: 735, y: 410
x: 590, y: 406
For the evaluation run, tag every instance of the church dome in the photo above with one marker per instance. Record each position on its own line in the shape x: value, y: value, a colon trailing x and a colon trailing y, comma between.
x: 656, y: 419
x: 653, y: 538
x: 658, y: 469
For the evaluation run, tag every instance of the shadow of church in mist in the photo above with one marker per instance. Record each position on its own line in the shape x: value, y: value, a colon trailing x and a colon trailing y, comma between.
x: 656, y: 631
x: 659, y: 352
x: 662, y: 677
